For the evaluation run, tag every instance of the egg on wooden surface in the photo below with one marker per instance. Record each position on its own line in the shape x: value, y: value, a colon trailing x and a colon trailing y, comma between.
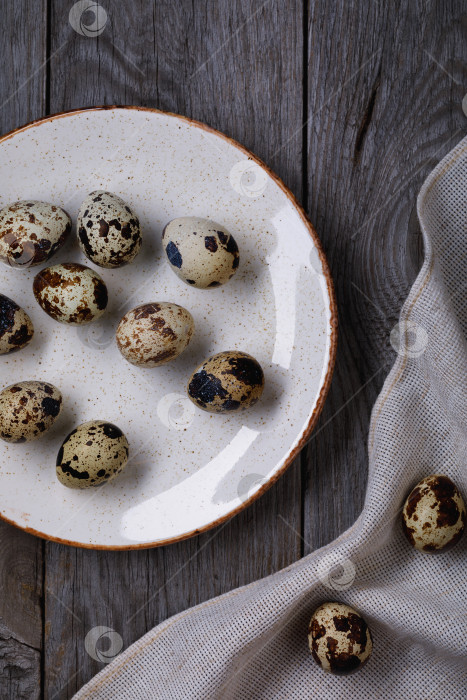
x: 28, y: 409
x: 109, y: 233
x: 93, y: 453
x: 153, y: 334
x: 71, y: 293
x: 227, y: 382
x: 434, y: 514
x: 16, y: 329
x: 31, y: 232
x: 339, y: 638
x: 200, y: 251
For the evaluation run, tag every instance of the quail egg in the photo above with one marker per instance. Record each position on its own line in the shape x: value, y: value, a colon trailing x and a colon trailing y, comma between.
x: 153, y: 334
x: 108, y: 230
x: 27, y: 410
x: 201, y: 252
x: 227, y: 382
x: 71, y: 293
x: 92, y: 454
x: 16, y: 329
x: 339, y: 638
x: 31, y: 232
x: 434, y: 514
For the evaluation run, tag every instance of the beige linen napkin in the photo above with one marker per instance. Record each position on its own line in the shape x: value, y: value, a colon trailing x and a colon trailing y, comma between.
x: 252, y: 642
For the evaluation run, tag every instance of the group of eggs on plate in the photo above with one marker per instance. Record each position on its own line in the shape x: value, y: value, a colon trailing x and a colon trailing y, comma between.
x: 201, y: 252
x: 433, y: 520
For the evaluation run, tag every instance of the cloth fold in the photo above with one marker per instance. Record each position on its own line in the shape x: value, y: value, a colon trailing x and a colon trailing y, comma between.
x: 251, y: 643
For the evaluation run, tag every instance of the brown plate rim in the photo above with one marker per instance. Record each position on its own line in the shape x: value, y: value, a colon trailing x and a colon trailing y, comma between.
x: 333, y: 328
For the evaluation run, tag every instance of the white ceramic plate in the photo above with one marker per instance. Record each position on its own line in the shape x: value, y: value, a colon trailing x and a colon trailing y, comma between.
x: 188, y: 470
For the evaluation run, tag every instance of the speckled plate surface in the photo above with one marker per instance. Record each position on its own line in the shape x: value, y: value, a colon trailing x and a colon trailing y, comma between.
x: 188, y: 470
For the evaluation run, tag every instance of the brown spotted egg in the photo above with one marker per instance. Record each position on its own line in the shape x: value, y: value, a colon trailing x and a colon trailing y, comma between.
x: 27, y: 410
x: 227, y: 382
x: 339, y: 638
x: 201, y: 252
x: 153, y: 334
x: 434, y: 514
x: 108, y: 230
x: 71, y: 293
x: 92, y: 454
x: 16, y: 329
x: 31, y: 232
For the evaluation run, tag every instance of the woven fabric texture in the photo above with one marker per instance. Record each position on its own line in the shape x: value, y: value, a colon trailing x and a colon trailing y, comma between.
x: 251, y: 643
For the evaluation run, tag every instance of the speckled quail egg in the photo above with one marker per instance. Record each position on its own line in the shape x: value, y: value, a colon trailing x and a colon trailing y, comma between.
x: 227, y: 382
x: 201, y: 252
x: 339, y: 638
x: 71, y: 293
x: 92, y: 454
x: 153, y: 334
x: 16, y: 329
x: 108, y: 230
x: 434, y: 514
x: 27, y: 410
x: 31, y: 232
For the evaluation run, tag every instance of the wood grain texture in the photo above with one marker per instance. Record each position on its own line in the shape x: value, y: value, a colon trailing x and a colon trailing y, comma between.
x: 20, y: 614
x: 381, y: 114
x: 23, y: 53
x: 19, y: 668
x: 238, y: 67
x: 353, y: 119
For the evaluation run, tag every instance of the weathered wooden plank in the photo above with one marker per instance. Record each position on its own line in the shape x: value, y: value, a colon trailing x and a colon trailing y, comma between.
x: 385, y: 86
x: 24, y: 64
x: 19, y: 668
x: 22, y: 98
x: 20, y: 613
x: 238, y: 66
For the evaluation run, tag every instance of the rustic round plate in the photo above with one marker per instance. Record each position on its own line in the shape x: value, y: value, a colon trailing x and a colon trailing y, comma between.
x: 188, y: 470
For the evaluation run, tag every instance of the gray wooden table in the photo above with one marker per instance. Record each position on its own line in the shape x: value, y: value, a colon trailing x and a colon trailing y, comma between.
x: 352, y: 103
